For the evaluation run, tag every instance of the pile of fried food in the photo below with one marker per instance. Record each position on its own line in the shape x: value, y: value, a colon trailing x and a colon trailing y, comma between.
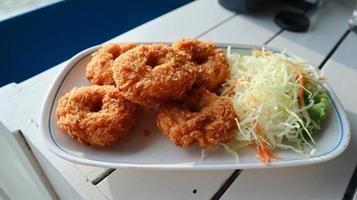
x: 181, y: 80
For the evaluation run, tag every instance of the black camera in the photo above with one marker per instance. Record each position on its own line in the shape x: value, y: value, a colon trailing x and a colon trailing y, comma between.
x: 297, y: 19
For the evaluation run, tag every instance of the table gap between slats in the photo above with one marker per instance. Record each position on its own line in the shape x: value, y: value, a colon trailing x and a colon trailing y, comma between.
x: 102, y: 175
x: 225, y: 186
x: 351, y: 190
x: 271, y: 32
x: 235, y: 174
x: 95, y: 174
x: 107, y: 172
x: 228, y: 182
x: 341, y: 32
x: 267, y: 35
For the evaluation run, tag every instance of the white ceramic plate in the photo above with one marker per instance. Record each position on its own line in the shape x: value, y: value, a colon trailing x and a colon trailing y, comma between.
x: 156, y: 151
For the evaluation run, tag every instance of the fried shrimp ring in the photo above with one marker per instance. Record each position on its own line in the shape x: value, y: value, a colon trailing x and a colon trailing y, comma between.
x: 211, y: 61
x: 99, y: 69
x: 95, y: 115
x: 150, y: 74
x: 202, y: 118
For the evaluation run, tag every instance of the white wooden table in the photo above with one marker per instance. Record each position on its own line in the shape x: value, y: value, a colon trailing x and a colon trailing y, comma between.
x: 328, y: 45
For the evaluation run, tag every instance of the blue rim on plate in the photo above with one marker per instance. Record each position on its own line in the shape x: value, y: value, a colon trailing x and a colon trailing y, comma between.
x: 343, y: 128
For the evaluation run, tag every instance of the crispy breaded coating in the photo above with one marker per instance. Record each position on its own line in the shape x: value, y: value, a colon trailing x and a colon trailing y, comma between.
x: 150, y: 74
x: 202, y: 119
x: 99, y: 69
x: 211, y: 61
x: 95, y: 115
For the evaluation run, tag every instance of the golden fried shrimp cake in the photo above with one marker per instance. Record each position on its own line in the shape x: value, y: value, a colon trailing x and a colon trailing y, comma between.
x: 95, y: 115
x: 202, y: 119
x: 211, y: 61
x: 99, y: 69
x: 150, y: 74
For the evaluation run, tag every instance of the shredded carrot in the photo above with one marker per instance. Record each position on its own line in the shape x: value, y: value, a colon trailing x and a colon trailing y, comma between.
x: 230, y: 91
x: 258, y: 128
x: 257, y: 51
x: 323, y: 78
x: 263, y: 154
x: 263, y: 151
x: 261, y: 52
x: 301, y: 83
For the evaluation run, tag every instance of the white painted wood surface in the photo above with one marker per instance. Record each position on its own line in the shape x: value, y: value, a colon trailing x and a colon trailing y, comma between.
x: 20, y: 176
x: 204, y: 18
x: 31, y: 114
x: 167, y: 184
x: 11, y: 116
x: 190, y: 20
x: 63, y: 175
x: 207, y: 184
x: 74, y: 180
x: 245, y: 29
x: 10, y: 8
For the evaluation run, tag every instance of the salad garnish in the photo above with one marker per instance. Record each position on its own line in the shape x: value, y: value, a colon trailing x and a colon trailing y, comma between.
x: 279, y: 101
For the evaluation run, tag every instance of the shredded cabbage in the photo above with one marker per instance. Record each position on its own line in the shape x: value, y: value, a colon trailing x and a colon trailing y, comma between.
x: 265, y: 88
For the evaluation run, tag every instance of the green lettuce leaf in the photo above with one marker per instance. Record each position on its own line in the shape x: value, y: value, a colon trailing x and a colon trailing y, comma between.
x: 318, y: 110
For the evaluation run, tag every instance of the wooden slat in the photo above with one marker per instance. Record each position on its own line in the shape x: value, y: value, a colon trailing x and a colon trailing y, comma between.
x: 93, y: 174
x: 65, y: 177
x: 322, y: 181
x: 180, y: 184
x: 36, y: 88
x: 17, y: 8
x: 158, y: 184
x: 11, y: 116
x: 161, y: 29
x: 170, y: 184
x: 190, y: 20
x: 245, y: 29
x: 19, y: 170
x: 341, y: 71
